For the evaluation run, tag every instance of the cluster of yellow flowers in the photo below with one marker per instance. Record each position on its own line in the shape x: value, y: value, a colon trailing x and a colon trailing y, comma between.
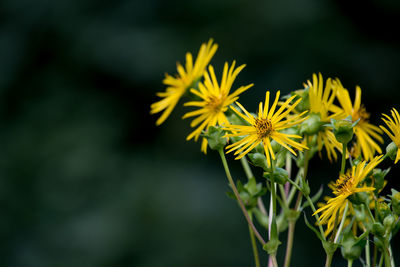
x: 322, y: 115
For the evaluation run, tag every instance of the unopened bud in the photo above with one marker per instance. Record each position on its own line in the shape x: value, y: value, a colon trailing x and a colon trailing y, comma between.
x: 343, y: 130
x: 312, y: 125
x: 391, y: 150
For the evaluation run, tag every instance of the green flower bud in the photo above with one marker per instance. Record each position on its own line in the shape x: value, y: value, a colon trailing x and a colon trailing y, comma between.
x: 305, y: 188
x: 389, y: 222
x: 359, y: 198
x: 378, y: 229
x: 343, y: 130
x: 312, y: 125
x: 395, y: 202
x: 305, y: 102
x: 360, y: 212
x: 383, y: 210
x: 215, y: 138
x: 391, y: 150
x: 258, y: 160
x: 276, y: 147
x: 379, y: 242
x: 352, y: 248
x: 379, y: 178
x: 279, y: 175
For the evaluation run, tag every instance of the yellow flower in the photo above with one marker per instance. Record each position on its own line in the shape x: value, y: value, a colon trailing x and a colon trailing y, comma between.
x: 394, y: 126
x: 321, y: 102
x: 214, y: 102
x: 264, y: 127
x: 177, y: 86
x: 365, y: 132
x: 347, y: 185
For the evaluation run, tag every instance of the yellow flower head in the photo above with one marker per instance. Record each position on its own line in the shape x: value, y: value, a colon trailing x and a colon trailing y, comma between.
x: 215, y: 99
x: 177, y: 86
x: 394, y: 126
x: 264, y: 127
x: 347, y: 185
x: 365, y: 132
x: 321, y: 103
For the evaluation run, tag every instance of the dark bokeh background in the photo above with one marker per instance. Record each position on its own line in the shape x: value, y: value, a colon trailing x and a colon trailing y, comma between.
x: 86, y: 179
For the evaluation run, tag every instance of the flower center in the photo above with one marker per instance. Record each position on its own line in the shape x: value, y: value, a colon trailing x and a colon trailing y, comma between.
x: 361, y: 114
x: 263, y: 127
x: 214, y: 104
x: 343, y: 184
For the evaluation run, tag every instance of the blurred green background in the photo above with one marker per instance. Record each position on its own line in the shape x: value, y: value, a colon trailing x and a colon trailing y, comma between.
x: 87, y: 179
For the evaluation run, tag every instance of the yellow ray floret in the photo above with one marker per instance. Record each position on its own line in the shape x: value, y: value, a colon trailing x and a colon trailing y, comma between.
x: 321, y: 102
x: 214, y: 101
x: 394, y: 126
x: 266, y: 126
x: 366, y: 133
x: 177, y: 86
x: 347, y: 185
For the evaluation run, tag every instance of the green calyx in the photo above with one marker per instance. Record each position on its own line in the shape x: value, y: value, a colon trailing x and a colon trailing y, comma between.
x: 352, y: 247
x: 343, y: 129
x: 391, y: 150
x: 279, y: 175
x: 312, y: 125
x: 215, y: 138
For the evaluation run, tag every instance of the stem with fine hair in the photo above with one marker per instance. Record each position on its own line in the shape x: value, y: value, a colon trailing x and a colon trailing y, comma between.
x: 232, y: 184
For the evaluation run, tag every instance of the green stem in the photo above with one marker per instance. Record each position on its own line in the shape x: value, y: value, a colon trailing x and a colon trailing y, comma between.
x: 273, y: 259
x: 367, y: 254
x: 321, y: 230
x: 381, y: 260
x: 386, y: 257
x: 391, y: 255
x: 249, y: 175
x: 254, y: 246
x: 375, y: 256
x: 246, y: 168
x: 289, y: 246
x: 342, y: 169
x: 341, y: 223
x: 328, y: 261
x: 349, y: 263
x: 246, y: 215
x: 293, y: 189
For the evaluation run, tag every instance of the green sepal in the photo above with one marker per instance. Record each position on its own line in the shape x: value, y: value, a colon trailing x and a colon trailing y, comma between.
x: 391, y: 150
x: 271, y: 247
x: 259, y: 160
x: 215, y: 137
x: 377, y: 229
x: 312, y: 125
x: 395, y: 197
x: 279, y: 175
x: 317, y: 233
x: 261, y: 218
x: 352, y: 247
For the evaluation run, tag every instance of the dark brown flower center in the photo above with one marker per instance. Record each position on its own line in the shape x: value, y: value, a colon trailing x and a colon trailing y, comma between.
x: 264, y: 127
